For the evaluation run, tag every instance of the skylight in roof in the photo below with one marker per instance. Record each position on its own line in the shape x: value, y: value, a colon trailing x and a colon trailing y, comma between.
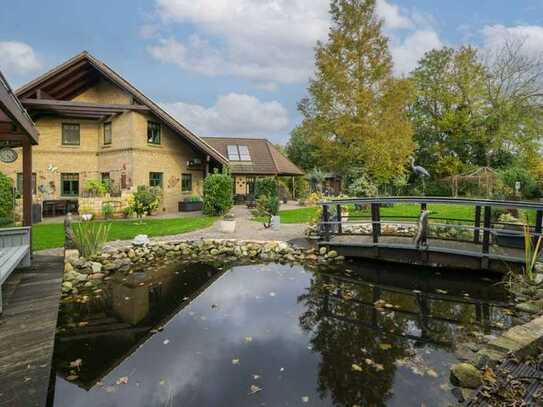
x: 238, y: 152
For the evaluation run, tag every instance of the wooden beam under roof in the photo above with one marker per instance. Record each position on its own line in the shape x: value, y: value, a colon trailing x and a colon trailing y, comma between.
x: 47, y: 103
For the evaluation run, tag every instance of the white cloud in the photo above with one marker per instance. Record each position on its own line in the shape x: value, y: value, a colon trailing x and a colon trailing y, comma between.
x: 271, y: 41
x: 232, y: 115
x: 392, y: 16
x: 412, y: 49
x: 531, y: 36
x: 18, y: 58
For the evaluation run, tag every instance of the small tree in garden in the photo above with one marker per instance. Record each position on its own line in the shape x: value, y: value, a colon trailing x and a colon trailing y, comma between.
x: 361, y: 187
x: 144, y: 201
x: 95, y: 187
x: 266, y: 186
x: 6, y: 200
x: 267, y: 206
x: 218, y: 194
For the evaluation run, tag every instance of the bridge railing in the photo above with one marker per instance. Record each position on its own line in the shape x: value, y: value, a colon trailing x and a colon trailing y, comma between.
x: 479, y: 232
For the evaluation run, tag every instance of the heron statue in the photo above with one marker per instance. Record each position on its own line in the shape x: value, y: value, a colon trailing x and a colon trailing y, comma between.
x: 420, y: 172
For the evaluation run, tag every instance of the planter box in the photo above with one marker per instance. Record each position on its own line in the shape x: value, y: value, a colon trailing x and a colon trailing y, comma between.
x: 505, y: 239
x: 227, y: 226
x: 190, y: 206
x: 275, y: 223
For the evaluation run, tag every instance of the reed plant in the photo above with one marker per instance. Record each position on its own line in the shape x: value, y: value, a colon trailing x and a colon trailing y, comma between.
x: 532, y: 250
x: 91, y: 237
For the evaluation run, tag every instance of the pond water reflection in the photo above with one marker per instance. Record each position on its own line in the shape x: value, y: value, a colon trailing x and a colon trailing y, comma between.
x: 273, y: 335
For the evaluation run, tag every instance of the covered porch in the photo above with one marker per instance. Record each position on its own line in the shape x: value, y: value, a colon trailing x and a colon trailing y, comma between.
x: 17, y: 133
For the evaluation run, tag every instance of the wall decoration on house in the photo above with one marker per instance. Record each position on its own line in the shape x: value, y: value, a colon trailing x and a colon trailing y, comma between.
x: 52, y: 168
x: 173, y: 182
x: 8, y: 155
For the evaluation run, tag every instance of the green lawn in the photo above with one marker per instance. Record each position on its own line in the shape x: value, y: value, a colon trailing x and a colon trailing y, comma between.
x: 47, y: 236
x: 397, y: 212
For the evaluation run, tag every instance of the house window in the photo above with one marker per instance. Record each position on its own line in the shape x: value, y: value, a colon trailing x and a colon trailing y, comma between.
x: 19, y: 185
x: 153, y: 132
x: 155, y: 179
x: 124, y: 183
x: 244, y: 153
x: 69, y: 184
x: 107, y: 133
x: 186, y: 182
x: 70, y: 134
x: 238, y: 152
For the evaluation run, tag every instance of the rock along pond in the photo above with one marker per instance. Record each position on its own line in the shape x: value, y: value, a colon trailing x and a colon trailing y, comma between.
x: 359, y: 334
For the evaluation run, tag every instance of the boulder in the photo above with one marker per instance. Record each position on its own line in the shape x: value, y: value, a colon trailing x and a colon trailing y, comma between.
x: 97, y: 276
x: 96, y: 267
x: 466, y: 375
x: 141, y: 240
x: 68, y: 268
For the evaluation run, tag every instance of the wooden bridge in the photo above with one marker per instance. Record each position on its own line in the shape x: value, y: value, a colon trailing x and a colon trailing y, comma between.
x: 360, y: 227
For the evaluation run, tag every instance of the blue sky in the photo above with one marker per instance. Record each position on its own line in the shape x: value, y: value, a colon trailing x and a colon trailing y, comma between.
x: 237, y: 67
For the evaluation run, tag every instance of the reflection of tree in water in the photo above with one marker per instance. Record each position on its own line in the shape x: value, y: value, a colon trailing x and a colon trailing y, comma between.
x: 330, y: 313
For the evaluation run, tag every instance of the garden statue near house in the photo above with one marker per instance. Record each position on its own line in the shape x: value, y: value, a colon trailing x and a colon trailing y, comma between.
x: 69, y: 237
x: 421, y: 237
x: 420, y: 172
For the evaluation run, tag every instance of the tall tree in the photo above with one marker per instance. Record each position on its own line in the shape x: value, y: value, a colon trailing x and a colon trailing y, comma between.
x: 300, y: 150
x: 448, y: 111
x: 355, y: 114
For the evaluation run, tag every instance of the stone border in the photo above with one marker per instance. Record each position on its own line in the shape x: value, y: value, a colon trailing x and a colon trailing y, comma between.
x: 86, y: 276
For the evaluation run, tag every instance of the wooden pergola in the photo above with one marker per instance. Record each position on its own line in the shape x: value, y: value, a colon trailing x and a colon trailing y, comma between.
x: 484, y: 177
x: 18, y: 130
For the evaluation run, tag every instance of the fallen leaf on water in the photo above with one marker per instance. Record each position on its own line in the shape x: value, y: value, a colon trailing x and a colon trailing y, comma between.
x: 431, y: 373
x: 122, y: 380
x: 72, y: 377
x: 282, y: 369
x: 254, y: 389
x: 162, y: 382
x: 235, y: 361
x: 305, y: 399
x: 82, y: 324
x: 440, y: 291
x: 256, y: 377
x: 166, y: 341
x: 356, y: 367
x: 378, y: 367
x: 272, y: 294
x: 248, y: 339
x: 110, y: 389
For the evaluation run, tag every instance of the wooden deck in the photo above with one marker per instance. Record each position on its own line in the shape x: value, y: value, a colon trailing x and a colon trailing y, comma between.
x: 445, y: 253
x: 27, y: 332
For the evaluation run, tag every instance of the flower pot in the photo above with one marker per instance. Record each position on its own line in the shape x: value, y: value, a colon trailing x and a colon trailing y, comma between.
x: 275, y: 223
x: 227, y: 226
x: 190, y: 206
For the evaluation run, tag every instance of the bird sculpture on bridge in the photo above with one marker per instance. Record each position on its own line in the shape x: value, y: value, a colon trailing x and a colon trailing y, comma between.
x: 420, y: 172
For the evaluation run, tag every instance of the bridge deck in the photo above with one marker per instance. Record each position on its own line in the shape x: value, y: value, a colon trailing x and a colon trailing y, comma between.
x: 446, y: 253
x: 27, y: 331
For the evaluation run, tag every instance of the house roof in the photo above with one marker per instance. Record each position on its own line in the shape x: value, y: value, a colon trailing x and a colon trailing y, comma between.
x: 265, y: 158
x: 81, y: 72
x: 13, y: 113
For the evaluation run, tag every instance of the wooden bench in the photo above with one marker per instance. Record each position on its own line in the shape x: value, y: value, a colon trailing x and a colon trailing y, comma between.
x: 14, y: 252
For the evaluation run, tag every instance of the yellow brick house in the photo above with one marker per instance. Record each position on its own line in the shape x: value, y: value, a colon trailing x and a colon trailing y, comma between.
x: 95, y: 125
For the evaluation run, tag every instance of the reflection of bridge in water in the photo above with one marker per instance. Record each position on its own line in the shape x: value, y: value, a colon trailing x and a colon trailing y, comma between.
x: 423, y: 310
x: 478, y: 242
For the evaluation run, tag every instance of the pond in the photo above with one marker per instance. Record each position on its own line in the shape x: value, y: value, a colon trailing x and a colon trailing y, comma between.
x: 273, y: 335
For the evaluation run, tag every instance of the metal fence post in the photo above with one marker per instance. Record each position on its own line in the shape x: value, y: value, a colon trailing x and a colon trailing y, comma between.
x: 325, y: 220
x: 486, y: 236
x: 338, y: 217
x: 476, y: 231
x: 376, y: 221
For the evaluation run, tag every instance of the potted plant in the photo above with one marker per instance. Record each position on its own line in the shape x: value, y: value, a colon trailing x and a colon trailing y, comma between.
x: 228, y: 224
x: 191, y: 204
x: 268, y: 208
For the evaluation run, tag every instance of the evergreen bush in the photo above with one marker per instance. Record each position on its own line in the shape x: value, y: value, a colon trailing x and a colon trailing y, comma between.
x: 218, y: 194
x: 6, y: 200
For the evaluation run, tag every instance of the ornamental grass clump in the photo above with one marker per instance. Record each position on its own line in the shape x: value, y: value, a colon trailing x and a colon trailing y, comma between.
x: 532, y: 250
x: 91, y: 237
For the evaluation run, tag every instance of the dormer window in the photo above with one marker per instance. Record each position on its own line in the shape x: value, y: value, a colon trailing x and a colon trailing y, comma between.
x: 238, y: 152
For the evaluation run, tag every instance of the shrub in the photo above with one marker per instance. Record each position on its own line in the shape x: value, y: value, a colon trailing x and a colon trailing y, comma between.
x: 313, y: 198
x: 107, y: 210
x: 284, y: 193
x: 267, y: 206
x: 91, y: 237
x: 218, y: 195
x: 95, y: 187
x: 144, y: 201
x: 192, y: 198
x: 6, y: 200
x: 528, y: 184
x: 362, y: 186
x: 266, y: 186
